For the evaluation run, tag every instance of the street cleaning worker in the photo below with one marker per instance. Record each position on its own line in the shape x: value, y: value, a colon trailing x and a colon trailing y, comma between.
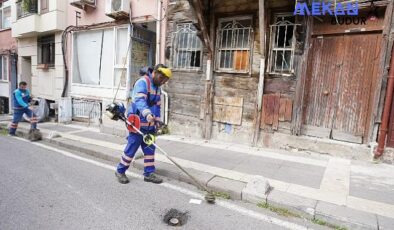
x: 22, y: 98
x: 145, y: 105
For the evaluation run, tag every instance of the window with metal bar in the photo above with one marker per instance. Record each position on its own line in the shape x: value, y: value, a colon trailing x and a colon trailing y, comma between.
x: 46, y: 50
x: 282, y: 45
x: 187, y: 53
x: 234, y: 44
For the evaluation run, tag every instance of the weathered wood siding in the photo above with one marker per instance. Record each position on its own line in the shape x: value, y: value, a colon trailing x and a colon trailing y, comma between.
x: 186, y: 88
x: 279, y: 91
x: 238, y: 86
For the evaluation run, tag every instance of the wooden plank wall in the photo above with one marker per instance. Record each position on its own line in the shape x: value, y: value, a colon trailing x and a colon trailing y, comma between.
x: 186, y: 88
x: 239, y: 87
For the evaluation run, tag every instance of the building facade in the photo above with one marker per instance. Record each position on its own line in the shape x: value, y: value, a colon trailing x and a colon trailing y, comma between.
x: 8, y: 58
x: 107, y: 46
x: 256, y: 72
x: 37, y: 25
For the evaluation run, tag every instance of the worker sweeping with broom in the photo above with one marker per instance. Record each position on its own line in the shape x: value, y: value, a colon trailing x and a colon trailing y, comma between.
x: 144, y: 112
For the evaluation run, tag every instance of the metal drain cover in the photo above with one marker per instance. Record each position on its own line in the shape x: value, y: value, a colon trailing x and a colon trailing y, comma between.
x: 174, y: 217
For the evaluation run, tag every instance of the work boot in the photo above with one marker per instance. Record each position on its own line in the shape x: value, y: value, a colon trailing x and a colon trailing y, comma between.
x: 153, y: 178
x: 122, y: 178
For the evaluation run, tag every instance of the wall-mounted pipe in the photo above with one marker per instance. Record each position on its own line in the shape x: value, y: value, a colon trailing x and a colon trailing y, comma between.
x: 386, y: 110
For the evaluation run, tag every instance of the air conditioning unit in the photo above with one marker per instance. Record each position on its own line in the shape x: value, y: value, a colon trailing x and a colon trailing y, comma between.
x: 117, y: 9
x: 82, y: 4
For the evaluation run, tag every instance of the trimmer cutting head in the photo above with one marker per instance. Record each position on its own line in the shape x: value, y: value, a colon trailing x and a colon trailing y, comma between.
x: 210, y: 198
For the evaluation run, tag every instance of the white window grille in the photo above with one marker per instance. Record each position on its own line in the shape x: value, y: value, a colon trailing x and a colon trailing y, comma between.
x: 86, y: 109
x: 234, y: 43
x: 282, y: 45
x: 187, y: 53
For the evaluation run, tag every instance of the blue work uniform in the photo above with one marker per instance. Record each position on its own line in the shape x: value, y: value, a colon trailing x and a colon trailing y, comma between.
x: 144, y: 102
x: 21, y: 100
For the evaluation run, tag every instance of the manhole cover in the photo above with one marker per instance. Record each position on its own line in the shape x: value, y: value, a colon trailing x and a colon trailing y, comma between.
x: 174, y: 217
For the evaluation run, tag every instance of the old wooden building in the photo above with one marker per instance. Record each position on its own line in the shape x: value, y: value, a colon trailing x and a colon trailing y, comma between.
x: 247, y: 69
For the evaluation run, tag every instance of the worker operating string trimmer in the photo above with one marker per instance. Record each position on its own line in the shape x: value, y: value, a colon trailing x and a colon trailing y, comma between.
x: 143, y: 119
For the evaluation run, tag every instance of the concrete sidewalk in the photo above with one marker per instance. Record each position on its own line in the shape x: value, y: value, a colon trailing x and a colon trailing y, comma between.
x: 354, y: 194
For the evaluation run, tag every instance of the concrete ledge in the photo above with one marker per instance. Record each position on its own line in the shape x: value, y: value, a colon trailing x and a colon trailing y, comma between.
x: 319, y: 145
x: 344, y: 216
x: 232, y: 187
x: 385, y: 223
x: 300, y: 205
x: 256, y: 190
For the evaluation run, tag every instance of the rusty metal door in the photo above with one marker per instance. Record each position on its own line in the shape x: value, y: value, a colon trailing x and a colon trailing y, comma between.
x: 341, y: 80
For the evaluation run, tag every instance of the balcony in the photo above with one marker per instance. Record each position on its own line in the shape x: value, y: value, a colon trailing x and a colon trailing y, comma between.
x: 26, y: 9
x: 32, y: 17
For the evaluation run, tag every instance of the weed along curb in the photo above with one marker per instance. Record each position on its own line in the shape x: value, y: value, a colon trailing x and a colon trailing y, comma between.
x: 287, y: 213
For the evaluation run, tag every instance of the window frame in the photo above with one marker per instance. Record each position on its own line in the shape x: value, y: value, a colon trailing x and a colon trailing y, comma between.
x: 118, y: 65
x: 4, y: 62
x: 2, y: 9
x: 272, y: 48
x: 190, y: 29
x: 46, y: 40
x: 114, y: 66
x: 250, y: 47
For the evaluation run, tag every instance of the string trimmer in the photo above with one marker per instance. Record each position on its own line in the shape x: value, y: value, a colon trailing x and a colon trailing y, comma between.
x: 116, y: 111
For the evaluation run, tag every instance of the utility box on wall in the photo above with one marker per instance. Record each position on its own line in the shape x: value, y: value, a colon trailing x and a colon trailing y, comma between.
x: 65, y: 110
x: 117, y: 9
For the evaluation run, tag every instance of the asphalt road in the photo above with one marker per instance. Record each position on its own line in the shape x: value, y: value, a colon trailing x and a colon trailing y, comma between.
x: 42, y: 188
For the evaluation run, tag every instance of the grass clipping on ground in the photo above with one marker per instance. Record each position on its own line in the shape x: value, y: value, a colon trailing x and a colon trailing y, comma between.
x: 279, y: 211
x: 287, y: 213
x: 325, y: 223
x: 222, y: 195
x: 3, y: 132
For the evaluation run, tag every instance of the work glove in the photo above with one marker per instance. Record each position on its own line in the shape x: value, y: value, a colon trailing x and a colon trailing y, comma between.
x: 158, y: 124
x: 150, y: 118
x: 161, y: 128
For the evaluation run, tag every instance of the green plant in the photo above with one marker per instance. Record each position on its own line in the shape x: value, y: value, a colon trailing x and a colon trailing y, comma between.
x: 3, y: 132
x: 222, y: 195
x: 324, y: 223
x: 26, y: 5
x: 279, y: 211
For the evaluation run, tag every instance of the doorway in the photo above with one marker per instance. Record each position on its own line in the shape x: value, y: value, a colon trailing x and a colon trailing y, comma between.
x: 341, y: 80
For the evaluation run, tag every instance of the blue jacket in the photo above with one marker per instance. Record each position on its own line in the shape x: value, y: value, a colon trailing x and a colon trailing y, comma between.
x: 21, y: 98
x: 144, y: 101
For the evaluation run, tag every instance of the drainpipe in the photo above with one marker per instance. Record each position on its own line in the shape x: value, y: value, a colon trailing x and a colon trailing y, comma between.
x: 158, y: 55
x: 386, y: 110
x: 158, y: 32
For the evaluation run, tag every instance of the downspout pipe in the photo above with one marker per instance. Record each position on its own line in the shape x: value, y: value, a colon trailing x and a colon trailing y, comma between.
x: 159, y: 54
x: 386, y: 110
